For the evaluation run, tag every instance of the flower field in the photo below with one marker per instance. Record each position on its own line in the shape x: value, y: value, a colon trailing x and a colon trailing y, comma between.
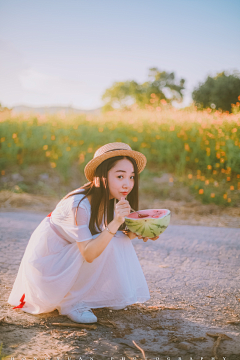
x: 201, y: 149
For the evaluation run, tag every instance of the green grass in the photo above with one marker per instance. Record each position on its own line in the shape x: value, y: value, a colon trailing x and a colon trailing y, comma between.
x: 188, y: 144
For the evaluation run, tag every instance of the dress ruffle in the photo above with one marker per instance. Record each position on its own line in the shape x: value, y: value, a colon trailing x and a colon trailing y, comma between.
x: 54, y: 275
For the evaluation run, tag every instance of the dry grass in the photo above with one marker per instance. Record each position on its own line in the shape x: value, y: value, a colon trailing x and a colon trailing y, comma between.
x: 183, y: 212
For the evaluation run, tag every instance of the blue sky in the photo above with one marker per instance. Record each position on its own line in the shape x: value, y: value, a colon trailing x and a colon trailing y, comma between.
x: 55, y: 52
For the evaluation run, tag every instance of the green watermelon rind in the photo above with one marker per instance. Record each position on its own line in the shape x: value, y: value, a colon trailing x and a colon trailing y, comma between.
x: 144, y: 226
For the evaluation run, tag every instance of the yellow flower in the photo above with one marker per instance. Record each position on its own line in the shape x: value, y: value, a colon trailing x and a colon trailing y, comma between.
x: 190, y: 176
x: 201, y: 191
x: 53, y: 165
x: 231, y: 187
x: 81, y: 158
x: 45, y: 147
x: 212, y: 195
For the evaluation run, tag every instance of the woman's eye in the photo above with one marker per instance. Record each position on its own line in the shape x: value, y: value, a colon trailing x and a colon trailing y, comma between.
x: 122, y: 176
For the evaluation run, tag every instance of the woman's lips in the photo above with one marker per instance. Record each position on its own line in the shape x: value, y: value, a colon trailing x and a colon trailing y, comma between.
x: 124, y: 193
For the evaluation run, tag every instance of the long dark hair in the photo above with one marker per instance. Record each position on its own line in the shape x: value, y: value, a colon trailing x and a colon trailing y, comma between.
x: 99, y: 190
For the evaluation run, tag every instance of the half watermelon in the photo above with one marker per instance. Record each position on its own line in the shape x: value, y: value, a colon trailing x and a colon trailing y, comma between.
x: 148, y: 223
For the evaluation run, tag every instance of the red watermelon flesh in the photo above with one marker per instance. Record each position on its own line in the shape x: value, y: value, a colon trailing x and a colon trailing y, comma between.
x: 149, y: 213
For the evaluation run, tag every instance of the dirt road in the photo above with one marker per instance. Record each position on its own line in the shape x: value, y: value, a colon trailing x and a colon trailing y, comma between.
x: 193, y: 276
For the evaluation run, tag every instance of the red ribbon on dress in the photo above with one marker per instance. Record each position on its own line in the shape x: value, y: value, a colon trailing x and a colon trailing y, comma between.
x: 22, y: 303
x: 49, y: 215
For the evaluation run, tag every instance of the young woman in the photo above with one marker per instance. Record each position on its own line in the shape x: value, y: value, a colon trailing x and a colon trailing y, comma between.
x: 79, y: 257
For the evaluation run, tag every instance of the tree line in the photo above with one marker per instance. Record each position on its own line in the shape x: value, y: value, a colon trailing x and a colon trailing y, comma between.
x: 219, y: 92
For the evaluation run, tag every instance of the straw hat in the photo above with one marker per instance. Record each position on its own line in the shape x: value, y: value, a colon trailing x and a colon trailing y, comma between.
x: 110, y: 150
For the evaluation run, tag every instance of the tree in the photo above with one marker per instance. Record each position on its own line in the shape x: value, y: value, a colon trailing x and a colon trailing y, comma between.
x: 123, y: 94
x: 218, y: 92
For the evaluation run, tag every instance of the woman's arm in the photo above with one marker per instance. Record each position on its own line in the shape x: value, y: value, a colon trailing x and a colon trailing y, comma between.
x: 96, y: 246
x: 93, y: 248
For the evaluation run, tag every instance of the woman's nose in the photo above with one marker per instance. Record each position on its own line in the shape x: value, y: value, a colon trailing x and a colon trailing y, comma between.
x: 126, y: 184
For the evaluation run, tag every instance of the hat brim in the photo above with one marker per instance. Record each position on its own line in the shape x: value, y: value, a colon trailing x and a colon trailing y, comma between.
x: 91, y: 166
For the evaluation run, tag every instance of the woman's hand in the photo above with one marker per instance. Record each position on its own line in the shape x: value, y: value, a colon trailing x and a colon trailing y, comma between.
x: 122, y: 209
x: 145, y: 239
x: 132, y: 236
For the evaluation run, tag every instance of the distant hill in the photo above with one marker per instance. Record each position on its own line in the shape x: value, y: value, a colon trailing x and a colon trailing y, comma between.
x: 53, y: 110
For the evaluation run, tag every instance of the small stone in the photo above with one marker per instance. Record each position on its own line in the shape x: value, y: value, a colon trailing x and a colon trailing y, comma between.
x: 44, y: 176
x: 184, y: 346
x: 17, y: 177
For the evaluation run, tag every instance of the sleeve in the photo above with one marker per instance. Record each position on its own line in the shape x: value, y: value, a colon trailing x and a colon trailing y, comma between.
x: 64, y: 220
x: 84, y: 232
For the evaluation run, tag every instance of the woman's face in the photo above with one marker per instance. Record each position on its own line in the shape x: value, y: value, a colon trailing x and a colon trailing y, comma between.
x: 121, y: 179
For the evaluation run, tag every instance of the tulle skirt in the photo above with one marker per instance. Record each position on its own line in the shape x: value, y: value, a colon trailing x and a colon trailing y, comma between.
x: 54, y: 275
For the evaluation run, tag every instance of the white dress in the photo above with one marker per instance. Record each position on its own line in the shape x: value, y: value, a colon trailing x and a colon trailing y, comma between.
x: 54, y: 275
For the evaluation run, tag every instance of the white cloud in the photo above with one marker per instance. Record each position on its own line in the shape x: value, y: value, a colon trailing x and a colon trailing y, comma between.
x: 33, y: 80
